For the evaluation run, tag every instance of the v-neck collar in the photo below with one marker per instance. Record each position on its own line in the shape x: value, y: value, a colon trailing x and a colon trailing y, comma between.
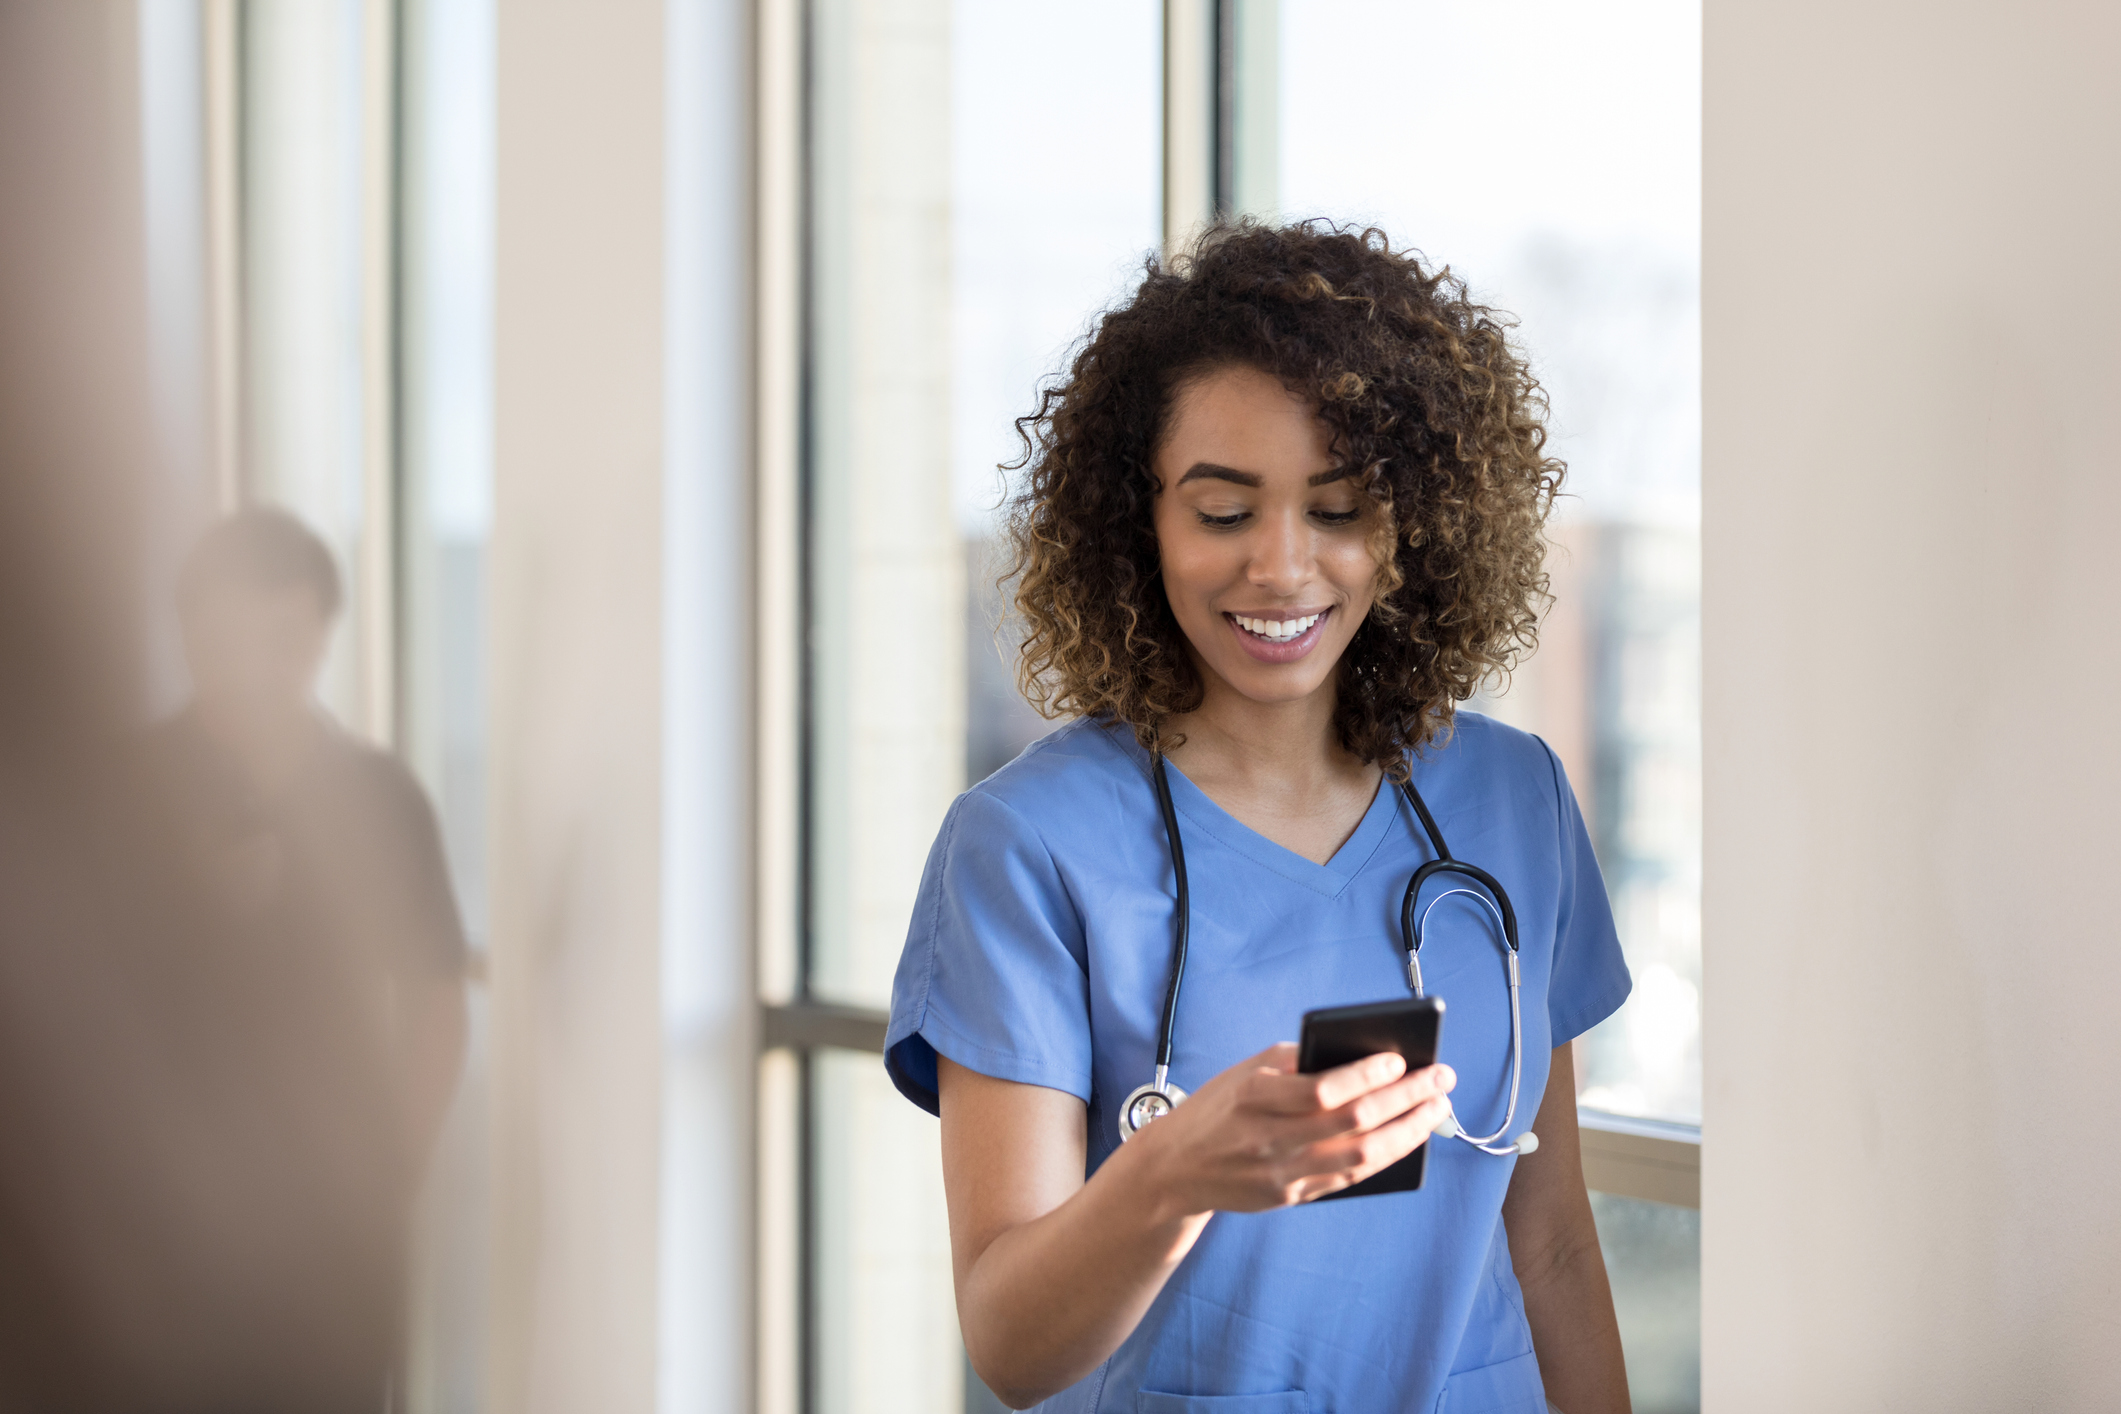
x: 1200, y: 814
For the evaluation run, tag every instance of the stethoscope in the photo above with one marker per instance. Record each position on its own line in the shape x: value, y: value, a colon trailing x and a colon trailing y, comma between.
x: 1159, y: 1097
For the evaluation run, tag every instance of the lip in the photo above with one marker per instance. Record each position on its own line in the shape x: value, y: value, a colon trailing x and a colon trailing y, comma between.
x: 1288, y: 652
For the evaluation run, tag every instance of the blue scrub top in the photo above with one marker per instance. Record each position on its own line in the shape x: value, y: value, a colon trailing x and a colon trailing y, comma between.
x: 1039, y: 952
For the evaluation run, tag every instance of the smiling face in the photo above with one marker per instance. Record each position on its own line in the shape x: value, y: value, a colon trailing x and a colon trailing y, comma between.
x: 1263, y: 538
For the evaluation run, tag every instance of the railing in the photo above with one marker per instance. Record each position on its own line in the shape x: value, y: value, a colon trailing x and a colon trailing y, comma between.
x: 1641, y: 1158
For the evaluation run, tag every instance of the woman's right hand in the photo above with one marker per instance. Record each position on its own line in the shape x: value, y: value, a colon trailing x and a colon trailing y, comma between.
x: 1054, y: 1271
x: 1263, y: 1135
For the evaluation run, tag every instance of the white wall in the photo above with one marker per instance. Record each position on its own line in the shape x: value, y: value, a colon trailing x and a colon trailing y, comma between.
x: 620, y: 958
x: 1912, y: 500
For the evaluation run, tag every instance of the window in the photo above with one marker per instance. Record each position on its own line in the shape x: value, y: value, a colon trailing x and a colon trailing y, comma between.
x: 977, y: 180
x: 971, y: 183
x: 445, y: 476
x: 313, y: 198
x: 1550, y: 155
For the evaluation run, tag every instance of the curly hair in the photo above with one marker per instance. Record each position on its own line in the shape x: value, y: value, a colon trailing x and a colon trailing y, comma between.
x: 1421, y: 392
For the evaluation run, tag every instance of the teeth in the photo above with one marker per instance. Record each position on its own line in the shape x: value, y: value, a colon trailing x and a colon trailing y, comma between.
x: 1277, y: 630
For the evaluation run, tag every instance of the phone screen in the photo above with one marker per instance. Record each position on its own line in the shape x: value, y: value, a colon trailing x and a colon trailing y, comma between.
x: 1337, y: 1036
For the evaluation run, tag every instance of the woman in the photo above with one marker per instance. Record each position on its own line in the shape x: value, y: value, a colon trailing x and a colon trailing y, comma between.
x: 1285, y: 513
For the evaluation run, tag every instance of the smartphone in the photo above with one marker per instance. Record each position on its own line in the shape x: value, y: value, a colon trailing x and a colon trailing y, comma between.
x: 1336, y: 1036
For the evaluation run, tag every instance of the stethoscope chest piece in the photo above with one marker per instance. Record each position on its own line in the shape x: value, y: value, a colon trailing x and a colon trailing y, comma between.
x: 1148, y: 1102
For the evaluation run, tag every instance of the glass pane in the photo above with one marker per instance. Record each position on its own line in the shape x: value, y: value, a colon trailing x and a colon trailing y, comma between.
x: 887, y: 578
x: 446, y: 246
x: 305, y: 299
x: 445, y: 194
x: 983, y: 178
x: 883, y: 1317
x: 1575, y: 203
x: 1058, y: 178
x: 1653, y: 1256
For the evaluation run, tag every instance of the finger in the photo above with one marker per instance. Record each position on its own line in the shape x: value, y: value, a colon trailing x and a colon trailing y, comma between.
x: 1364, y: 1112
x: 1324, y: 1185
x: 1327, y: 1089
x: 1293, y: 1132
x: 1357, y: 1082
x: 1385, y: 1103
x: 1336, y: 1087
x: 1392, y: 1141
x: 1280, y: 1057
x: 1357, y: 1156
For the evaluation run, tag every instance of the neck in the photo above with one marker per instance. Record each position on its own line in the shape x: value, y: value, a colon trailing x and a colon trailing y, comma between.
x: 1290, y: 746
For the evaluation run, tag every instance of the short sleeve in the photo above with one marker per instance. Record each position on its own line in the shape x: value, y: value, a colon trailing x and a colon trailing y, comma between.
x: 1590, y: 978
x: 994, y: 975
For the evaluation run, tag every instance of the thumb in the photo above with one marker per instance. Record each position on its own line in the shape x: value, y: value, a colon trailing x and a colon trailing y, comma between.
x: 1280, y: 1057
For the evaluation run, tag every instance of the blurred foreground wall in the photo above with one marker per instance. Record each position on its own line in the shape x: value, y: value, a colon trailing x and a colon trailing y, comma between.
x: 73, y: 324
x: 622, y: 977
x: 200, y: 1184
x: 187, y: 1209
x: 577, y: 725
x: 1911, y: 497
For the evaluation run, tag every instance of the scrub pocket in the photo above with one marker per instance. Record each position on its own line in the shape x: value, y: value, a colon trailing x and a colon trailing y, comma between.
x: 1290, y: 1402
x: 1505, y: 1387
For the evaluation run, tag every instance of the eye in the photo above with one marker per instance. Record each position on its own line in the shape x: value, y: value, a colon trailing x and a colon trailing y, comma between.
x: 1228, y: 522
x: 1339, y: 517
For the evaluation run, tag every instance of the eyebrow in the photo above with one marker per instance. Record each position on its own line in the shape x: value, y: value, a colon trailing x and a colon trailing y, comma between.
x: 1210, y: 471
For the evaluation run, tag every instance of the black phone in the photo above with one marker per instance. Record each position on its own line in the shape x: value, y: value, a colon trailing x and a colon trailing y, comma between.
x: 1335, y: 1036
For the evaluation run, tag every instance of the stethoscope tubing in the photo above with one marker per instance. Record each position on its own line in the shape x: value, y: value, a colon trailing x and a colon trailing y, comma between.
x: 1496, y: 900
x: 1167, y: 1029
x: 1509, y: 1114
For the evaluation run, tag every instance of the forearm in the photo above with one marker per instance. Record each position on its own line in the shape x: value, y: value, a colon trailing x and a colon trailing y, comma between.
x: 1049, y: 1300
x: 1569, y: 1306
x: 1053, y: 1273
x: 1554, y: 1248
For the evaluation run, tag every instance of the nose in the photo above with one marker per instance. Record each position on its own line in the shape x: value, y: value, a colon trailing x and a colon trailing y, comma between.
x: 1281, y: 555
